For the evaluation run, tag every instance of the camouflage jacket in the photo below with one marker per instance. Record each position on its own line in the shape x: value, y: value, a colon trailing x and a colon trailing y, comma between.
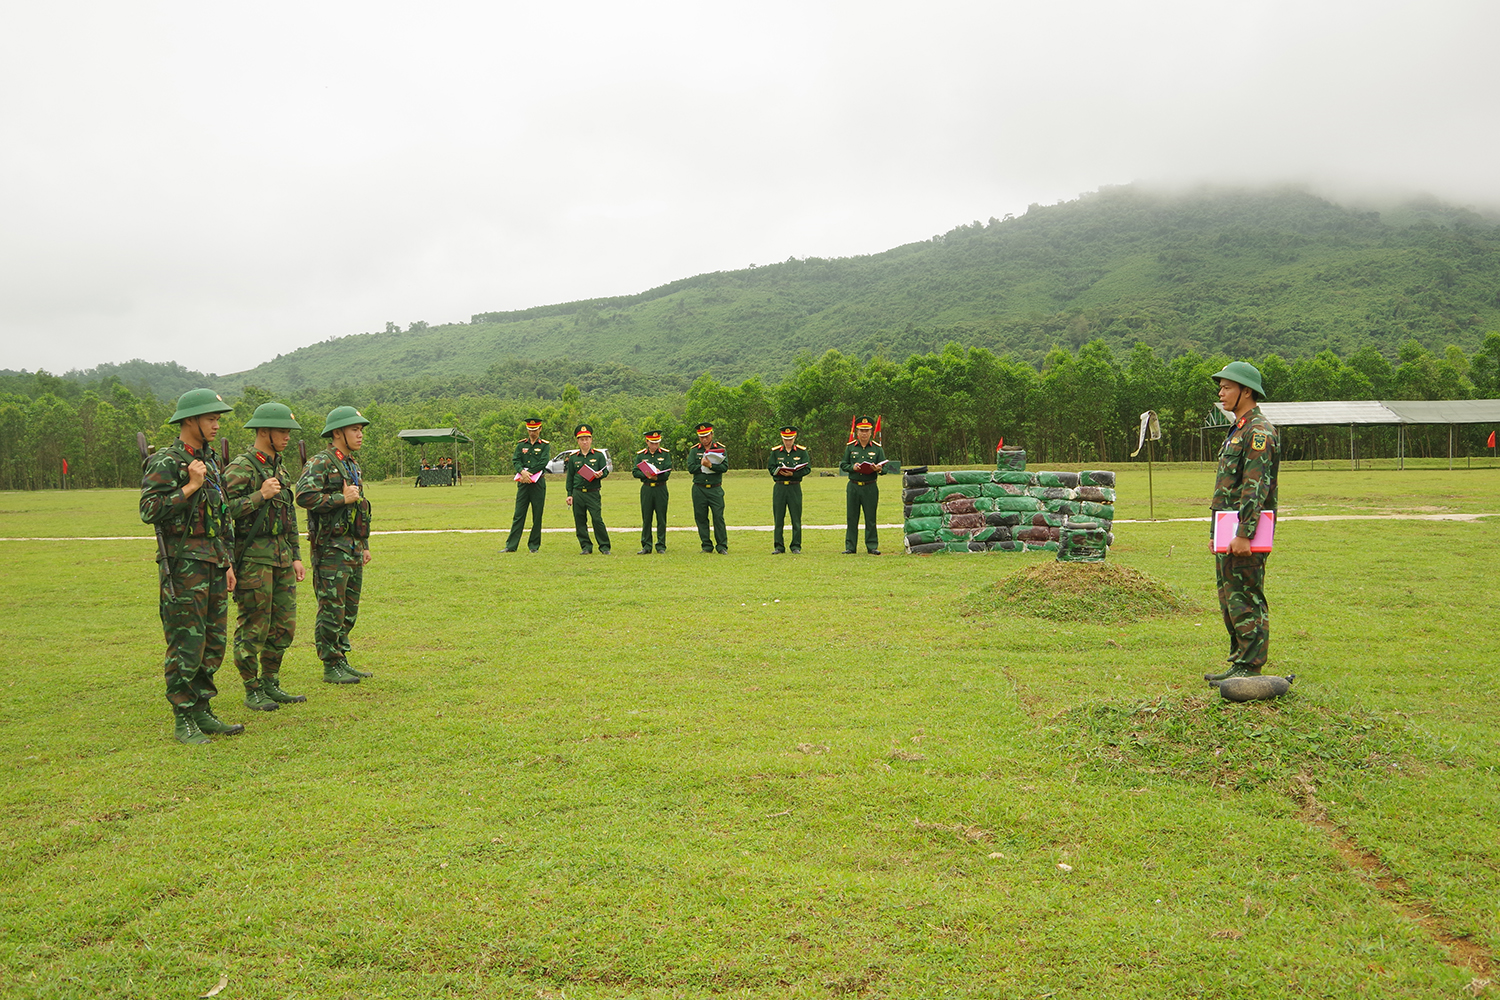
x: 1248, y: 465
x: 265, y: 531
x: 320, y: 491
x: 194, y: 527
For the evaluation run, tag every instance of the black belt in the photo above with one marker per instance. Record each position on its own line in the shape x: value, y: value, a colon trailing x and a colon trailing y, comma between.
x: 580, y: 489
x: 867, y: 482
x: 706, y: 485
x: 787, y: 482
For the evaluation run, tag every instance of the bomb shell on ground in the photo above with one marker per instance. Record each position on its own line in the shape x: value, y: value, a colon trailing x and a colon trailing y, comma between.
x: 1260, y: 688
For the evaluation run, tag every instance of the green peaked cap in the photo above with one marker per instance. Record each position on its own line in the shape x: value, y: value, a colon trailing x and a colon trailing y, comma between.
x: 197, y: 402
x: 1245, y: 374
x: 274, y: 415
x: 342, y: 416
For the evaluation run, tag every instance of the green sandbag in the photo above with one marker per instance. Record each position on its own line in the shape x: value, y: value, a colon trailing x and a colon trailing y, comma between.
x: 1012, y: 459
x: 1022, y: 504
x: 927, y: 495
x: 992, y: 535
x: 959, y: 505
x: 971, y: 476
x: 920, y: 538
x: 1007, y: 546
x: 913, y: 480
x: 1051, y: 493
x: 1015, y: 478
x: 923, y: 524
x: 1096, y: 494
x: 1060, y: 506
x: 936, y: 479
x: 1096, y: 477
x: 955, y: 534
x: 1041, y: 546
x: 944, y: 492
x: 1087, y: 524
x: 1004, y: 518
x: 1102, y: 511
x: 983, y: 504
x: 1030, y: 534
x: 1082, y: 545
x: 956, y: 546
x: 924, y: 510
x: 963, y: 520
x: 929, y: 548
x: 1043, y: 519
x: 1068, y: 480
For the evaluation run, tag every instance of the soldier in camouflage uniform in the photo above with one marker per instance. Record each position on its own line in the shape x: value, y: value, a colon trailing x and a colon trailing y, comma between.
x: 338, y: 527
x: 267, y: 557
x: 183, y: 495
x: 1246, y: 482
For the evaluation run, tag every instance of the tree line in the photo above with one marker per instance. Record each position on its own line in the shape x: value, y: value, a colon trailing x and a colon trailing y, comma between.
x: 947, y: 407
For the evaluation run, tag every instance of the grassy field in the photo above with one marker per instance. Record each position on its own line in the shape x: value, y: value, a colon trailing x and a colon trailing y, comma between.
x: 749, y: 776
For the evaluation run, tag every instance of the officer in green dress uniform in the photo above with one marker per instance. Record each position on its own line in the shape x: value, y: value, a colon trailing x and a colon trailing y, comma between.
x: 1249, y: 464
x: 789, y: 465
x: 708, y: 462
x: 267, y: 556
x: 183, y: 495
x: 653, y: 491
x: 864, y: 463
x: 583, y: 490
x: 530, y: 458
x: 332, y: 491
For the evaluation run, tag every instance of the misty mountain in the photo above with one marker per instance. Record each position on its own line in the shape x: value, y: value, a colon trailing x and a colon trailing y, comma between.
x: 1242, y: 272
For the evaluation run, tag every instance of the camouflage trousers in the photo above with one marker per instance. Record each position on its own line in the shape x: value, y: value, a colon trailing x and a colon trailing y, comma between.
x: 267, y: 600
x: 1242, y: 598
x: 337, y: 578
x: 195, y: 624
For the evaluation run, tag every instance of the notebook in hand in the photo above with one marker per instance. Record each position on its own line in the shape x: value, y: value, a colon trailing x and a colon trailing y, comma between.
x: 1227, y: 522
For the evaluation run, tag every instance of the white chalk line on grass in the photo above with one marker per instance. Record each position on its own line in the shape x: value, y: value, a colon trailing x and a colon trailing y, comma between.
x: 806, y: 527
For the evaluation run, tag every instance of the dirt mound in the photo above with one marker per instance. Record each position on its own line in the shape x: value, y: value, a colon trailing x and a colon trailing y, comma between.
x: 1096, y: 592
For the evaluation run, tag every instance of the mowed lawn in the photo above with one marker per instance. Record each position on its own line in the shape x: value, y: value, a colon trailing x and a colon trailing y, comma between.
x: 758, y: 776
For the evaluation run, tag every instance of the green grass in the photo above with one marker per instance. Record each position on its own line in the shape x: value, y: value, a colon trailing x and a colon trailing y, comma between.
x: 763, y: 777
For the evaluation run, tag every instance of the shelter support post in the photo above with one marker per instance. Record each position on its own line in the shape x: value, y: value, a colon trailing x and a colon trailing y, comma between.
x: 1450, y: 447
x: 1353, y: 462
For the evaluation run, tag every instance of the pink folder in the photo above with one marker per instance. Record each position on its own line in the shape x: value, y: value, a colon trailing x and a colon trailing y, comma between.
x: 1227, y: 522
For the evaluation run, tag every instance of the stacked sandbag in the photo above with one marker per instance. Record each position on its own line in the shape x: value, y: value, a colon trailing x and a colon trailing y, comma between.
x: 1010, y: 460
x: 1009, y: 510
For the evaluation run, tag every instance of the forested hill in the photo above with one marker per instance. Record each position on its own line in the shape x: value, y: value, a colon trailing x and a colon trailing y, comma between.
x: 1246, y: 273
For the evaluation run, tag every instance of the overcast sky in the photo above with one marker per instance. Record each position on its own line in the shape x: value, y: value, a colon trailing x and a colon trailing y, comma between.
x: 214, y: 184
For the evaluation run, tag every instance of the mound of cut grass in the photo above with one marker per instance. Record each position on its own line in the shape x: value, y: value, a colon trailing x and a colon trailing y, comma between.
x: 1098, y: 592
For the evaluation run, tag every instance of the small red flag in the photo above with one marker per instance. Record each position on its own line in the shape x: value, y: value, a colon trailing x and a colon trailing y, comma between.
x: 876, y: 435
x: 851, y: 430
x: 65, y: 461
x: 1001, y: 445
x: 1492, y: 439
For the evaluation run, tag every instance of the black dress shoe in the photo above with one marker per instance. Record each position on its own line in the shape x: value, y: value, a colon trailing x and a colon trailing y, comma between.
x: 796, y: 551
x: 777, y: 551
x: 874, y: 552
x: 644, y: 552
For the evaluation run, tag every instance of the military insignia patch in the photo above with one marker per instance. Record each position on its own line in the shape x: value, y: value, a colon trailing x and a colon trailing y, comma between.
x: 1258, y: 441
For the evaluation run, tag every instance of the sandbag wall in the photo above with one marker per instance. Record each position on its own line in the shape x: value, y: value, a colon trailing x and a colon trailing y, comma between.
x: 1007, y: 510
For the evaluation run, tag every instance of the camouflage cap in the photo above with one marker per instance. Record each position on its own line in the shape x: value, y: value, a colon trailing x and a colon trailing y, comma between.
x: 342, y: 416
x: 273, y: 415
x: 1242, y: 373
x: 197, y: 402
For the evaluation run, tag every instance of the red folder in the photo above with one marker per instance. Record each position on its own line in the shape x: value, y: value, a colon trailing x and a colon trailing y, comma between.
x: 1227, y: 523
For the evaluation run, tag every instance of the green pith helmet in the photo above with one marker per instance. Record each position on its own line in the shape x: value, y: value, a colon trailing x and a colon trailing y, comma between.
x: 273, y: 415
x: 342, y: 416
x: 197, y: 402
x: 1244, y: 373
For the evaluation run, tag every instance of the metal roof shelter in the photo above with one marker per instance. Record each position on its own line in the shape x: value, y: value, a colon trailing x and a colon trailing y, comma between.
x: 421, y: 437
x: 1398, y: 413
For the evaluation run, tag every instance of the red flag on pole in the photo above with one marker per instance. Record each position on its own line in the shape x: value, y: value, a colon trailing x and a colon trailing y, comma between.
x: 876, y: 436
x: 1492, y: 440
x: 1000, y: 446
x: 65, y: 461
x: 851, y: 430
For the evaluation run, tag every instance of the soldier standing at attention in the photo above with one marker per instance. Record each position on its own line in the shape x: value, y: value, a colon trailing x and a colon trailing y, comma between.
x: 183, y: 495
x: 864, y: 462
x: 583, y: 490
x: 789, y: 465
x: 530, y: 460
x: 1246, y: 482
x: 707, y: 460
x: 332, y: 492
x: 653, y: 491
x: 267, y: 557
